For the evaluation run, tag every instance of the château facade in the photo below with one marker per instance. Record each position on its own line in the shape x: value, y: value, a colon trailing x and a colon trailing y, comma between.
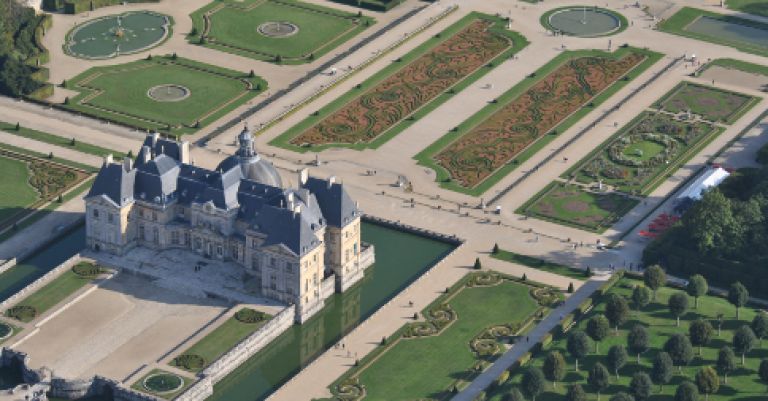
x: 298, y: 244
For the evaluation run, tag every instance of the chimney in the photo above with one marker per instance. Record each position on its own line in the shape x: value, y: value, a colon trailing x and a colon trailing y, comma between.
x: 184, y: 152
x: 146, y: 153
x: 155, y: 137
x: 127, y: 164
x: 296, y: 210
x: 162, y: 149
x: 108, y: 159
x: 331, y: 181
x: 303, y: 176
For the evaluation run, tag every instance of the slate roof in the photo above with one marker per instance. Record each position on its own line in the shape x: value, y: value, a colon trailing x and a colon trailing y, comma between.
x: 337, y: 206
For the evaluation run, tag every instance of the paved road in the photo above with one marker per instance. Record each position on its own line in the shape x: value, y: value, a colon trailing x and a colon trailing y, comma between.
x: 513, y: 354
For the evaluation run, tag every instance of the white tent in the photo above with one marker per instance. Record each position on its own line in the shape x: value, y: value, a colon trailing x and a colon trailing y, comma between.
x: 710, y: 178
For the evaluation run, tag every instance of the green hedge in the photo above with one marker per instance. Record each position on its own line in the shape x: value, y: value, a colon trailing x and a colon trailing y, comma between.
x: 566, y: 323
x: 375, y: 5
x: 42, y: 93
x: 610, y: 283
x: 584, y: 306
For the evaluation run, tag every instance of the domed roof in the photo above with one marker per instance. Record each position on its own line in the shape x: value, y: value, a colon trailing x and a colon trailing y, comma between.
x: 252, y: 166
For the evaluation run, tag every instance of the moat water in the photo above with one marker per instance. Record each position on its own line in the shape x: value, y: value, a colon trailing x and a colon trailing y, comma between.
x: 401, y: 258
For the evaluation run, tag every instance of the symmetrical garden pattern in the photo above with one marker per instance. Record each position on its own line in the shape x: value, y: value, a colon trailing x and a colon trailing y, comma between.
x: 461, y: 334
x: 30, y: 182
x: 282, y: 31
x: 497, y: 140
x: 162, y: 93
x: 638, y: 157
x: 416, y: 84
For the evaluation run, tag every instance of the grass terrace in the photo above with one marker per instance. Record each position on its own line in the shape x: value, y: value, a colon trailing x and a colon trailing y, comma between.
x: 743, y: 34
x: 168, y: 94
x: 54, y: 292
x: 60, y: 141
x: 541, y: 264
x: 235, y: 329
x: 486, y: 147
x: 575, y: 206
x: 743, y: 383
x: 280, y: 31
x: 410, y: 88
x: 463, y: 332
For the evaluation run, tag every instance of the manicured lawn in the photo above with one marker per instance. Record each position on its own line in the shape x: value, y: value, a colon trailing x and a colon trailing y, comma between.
x: 121, y: 93
x: 738, y: 65
x: 757, y: 7
x: 501, y: 136
x: 536, y: 263
x: 234, y: 27
x: 51, y: 294
x: 419, y: 367
x: 15, y: 191
x: 60, y: 141
x: 160, y: 376
x: 218, y: 342
x: 572, y: 205
x: 717, y: 105
x: 743, y: 384
x: 412, y: 86
x: 743, y: 34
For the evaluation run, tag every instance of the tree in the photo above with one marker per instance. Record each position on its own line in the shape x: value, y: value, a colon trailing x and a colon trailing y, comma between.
x: 641, y: 297
x: 726, y: 362
x: 616, y: 310
x: 697, y: 287
x: 617, y: 358
x: 738, y: 296
x: 477, y: 265
x: 637, y: 340
x: 578, y: 345
x: 679, y: 349
x: 598, y: 329
x: 687, y: 391
x: 598, y: 378
x: 762, y: 371
x: 720, y: 318
x: 661, y: 372
x: 495, y: 250
x: 554, y: 367
x: 533, y: 382
x: 707, y: 381
x: 654, y: 278
x: 622, y: 396
x: 700, y: 332
x: 576, y: 393
x: 760, y: 325
x: 570, y: 287
x: 514, y: 395
x: 678, y: 304
x: 640, y: 386
x: 743, y: 341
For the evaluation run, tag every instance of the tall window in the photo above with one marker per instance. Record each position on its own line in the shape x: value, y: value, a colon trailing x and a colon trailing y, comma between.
x: 156, y: 235
x: 175, y: 237
x: 186, y: 238
x: 96, y: 214
x: 142, y: 234
x: 110, y: 218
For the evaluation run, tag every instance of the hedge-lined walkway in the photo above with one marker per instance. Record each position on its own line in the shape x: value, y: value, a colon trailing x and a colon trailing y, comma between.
x: 534, y: 337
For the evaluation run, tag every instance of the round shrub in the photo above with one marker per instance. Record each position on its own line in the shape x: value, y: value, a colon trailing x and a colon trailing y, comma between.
x: 23, y: 313
x: 247, y: 315
x: 86, y: 269
x: 189, y: 362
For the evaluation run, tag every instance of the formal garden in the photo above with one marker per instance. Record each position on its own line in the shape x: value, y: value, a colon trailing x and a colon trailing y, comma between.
x: 744, y: 34
x: 163, y: 384
x: 461, y: 334
x: 644, y: 341
x: 51, y: 294
x: 412, y: 86
x: 279, y: 31
x: 575, y: 206
x: 487, y: 146
x: 711, y: 104
x: 30, y: 182
x: 162, y: 93
x: 215, y: 344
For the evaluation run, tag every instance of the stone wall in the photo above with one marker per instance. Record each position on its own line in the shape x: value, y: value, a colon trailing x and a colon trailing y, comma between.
x: 4, y: 266
x: 451, y: 239
x: 11, y: 358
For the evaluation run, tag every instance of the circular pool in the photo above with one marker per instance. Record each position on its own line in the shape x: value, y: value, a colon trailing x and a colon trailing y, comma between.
x: 115, y: 35
x: 168, y: 93
x: 584, y: 21
x: 162, y: 383
x: 278, y: 29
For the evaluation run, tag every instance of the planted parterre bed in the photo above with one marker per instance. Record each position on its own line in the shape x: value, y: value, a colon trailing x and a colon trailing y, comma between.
x: 512, y: 128
x: 659, y: 324
x: 463, y: 331
x: 169, y: 94
x: 281, y: 31
x: 29, y: 182
x: 639, y: 157
x: 408, y: 89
